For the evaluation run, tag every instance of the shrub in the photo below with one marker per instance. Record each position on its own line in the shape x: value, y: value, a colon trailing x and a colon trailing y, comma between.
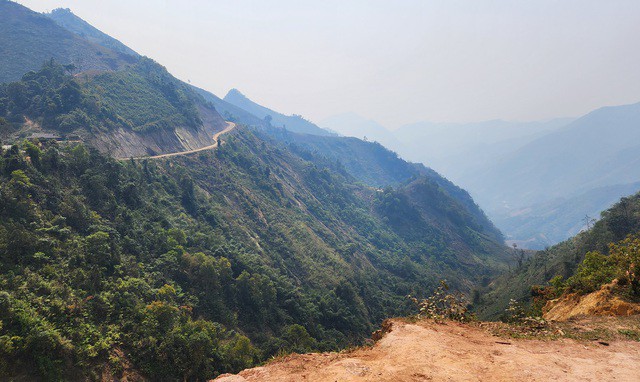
x: 442, y: 305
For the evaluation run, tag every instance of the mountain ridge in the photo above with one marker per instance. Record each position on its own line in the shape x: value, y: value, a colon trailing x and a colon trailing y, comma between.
x: 22, y: 27
x: 295, y: 123
x: 186, y: 267
x: 68, y: 20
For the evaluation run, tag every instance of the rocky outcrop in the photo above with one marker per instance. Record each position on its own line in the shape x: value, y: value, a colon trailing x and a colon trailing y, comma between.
x: 122, y: 143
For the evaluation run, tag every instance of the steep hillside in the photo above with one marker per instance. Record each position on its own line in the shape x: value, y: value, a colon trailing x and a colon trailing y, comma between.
x: 185, y: 267
x: 141, y: 110
x: 379, y: 167
x: 28, y: 39
x: 66, y: 19
x: 563, y: 259
x: 148, y: 259
x: 293, y: 123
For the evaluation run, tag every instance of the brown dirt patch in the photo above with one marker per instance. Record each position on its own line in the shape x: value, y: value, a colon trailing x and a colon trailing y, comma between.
x: 603, y: 302
x: 426, y: 351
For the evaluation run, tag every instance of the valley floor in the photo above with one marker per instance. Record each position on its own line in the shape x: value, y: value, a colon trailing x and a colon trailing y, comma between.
x: 426, y: 351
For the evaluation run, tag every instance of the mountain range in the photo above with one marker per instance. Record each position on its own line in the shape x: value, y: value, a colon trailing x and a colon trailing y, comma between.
x: 285, y: 237
x: 538, y: 180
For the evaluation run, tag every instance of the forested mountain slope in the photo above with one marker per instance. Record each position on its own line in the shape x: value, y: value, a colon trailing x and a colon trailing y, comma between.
x: 28, y: 39
x: 618, y: 222
x: 183, y: 268
x: 144, y: 258
x: 66, y: 19
x: 374, y: 165
x: 141, y: 110
x: 128, y: 110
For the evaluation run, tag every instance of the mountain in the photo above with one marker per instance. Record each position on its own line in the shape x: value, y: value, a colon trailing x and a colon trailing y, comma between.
x: 196, y: 265
x: 185, y: 267
x: 556, y: 219
x: 459, y: 150
x: 353, y: 125
x: 596, y: 150
x: 595, y: 153
x: 295, y: 123
x: 229, y: 111
x: 137, y: 111
x: 66, y: 19
x: 376, y: 166
x: 28, y: 39
x: 69, y: 87
x: 563, y: 259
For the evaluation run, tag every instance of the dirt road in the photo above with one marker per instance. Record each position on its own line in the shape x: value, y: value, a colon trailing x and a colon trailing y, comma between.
x: 230, y: 126
x: 456, y: 352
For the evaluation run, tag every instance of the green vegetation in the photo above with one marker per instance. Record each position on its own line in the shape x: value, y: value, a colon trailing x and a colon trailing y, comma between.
x: 585, y: 261
x: 204, y: 264
x: 443, y: 305
x: 620, y: 263
x: 376, y: 166
x: 185, y: 268
x: 144, y: 97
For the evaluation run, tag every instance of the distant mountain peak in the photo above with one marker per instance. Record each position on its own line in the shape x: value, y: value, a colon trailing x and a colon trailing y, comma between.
x: 294, y: 123
x: 235, y: 92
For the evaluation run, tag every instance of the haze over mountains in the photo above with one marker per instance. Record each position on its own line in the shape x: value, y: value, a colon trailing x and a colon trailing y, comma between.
x: 487, y: 158
x: 295, y: 123
x: 536, y: 180
x: 264, y: 234
x: 69, y: 21
x: 186, y: 267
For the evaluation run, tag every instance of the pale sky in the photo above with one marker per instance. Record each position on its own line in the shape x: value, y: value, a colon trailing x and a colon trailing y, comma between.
x: 395, y: 61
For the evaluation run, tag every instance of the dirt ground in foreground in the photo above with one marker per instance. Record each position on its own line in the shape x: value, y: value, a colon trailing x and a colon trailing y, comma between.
x: 427, y: 351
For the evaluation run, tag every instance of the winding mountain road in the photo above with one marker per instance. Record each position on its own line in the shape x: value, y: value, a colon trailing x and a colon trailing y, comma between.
x: 230, y: 126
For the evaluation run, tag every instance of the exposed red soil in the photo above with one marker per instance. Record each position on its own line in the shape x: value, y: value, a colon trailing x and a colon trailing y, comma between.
x: 427, y: 351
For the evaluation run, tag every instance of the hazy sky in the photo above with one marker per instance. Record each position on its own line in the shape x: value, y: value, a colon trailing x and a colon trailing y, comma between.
x: 395, y: 61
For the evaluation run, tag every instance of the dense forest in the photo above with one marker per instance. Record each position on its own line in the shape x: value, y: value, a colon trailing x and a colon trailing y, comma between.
x: 141, y: 98
x: 210, y: 263
x: 185, y: 268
